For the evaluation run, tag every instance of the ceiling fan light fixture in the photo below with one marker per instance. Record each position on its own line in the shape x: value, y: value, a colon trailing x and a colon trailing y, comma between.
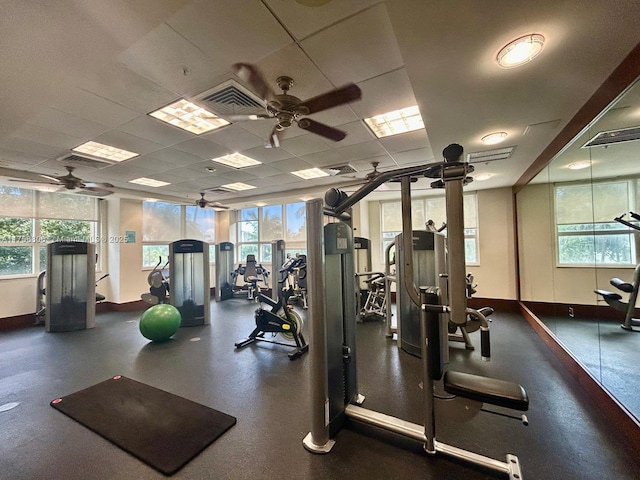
x: 494, y: 138
x: 149, y: 182
x: 395, y: 122
x: 520, y: 51
x: 107, y: 152
x: 236, y: 160
x: 190, y: 117
x: 310, y: 173
x: 238, y: 186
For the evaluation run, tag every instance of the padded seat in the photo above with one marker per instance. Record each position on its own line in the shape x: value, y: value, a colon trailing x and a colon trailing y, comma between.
x: 486, y: 390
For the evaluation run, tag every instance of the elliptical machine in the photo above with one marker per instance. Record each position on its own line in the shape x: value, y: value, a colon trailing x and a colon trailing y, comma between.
x: 158, y: 281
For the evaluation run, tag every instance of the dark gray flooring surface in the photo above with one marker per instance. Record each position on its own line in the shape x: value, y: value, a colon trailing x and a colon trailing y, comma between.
x: 567, y: 437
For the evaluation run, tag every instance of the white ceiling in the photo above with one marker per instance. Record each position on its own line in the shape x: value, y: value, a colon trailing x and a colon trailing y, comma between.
x: 81, y: 70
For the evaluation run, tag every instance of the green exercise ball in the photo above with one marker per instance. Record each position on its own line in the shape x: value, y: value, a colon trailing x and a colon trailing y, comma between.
x: 160, y: 322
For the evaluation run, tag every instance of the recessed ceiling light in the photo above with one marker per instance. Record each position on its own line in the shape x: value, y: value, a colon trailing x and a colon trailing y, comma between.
x: 398, y: 121
x: 105, y: 151
x: 210, y: 169
x: 310, y: 173
x: 520, y: 51
x: 579, y: 165
x: 494, y: 138
x: 236, y: 160
x: 189, y: 117
x: 238, y: 186
x: 149, y: 182
x: 483, y: 176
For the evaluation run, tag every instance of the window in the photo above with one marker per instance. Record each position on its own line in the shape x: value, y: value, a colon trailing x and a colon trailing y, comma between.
x: 586, y: 232
x: 257, y: 227
x: 164, y: 222
x: 31, y: 219
x: 431, y: 208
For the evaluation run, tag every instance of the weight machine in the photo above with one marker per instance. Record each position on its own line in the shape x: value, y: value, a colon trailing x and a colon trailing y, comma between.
x: 334, y: 387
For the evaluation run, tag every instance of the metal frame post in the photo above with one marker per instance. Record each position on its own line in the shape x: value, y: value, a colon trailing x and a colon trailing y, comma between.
x: 317, y: 440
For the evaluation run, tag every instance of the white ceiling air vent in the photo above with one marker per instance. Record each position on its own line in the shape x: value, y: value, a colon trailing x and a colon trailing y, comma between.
x: 218, y: 190
x: 84, y: 161
x: 93, y: 193
x: 230, y: 98
x: 340, y: 169
x: 490, y: 155
x: 614, y: 136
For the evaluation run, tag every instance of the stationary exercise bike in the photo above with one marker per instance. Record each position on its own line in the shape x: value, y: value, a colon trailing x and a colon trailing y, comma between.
x: 283, y: 320
x: 158, y: 281
x: 614, y: 299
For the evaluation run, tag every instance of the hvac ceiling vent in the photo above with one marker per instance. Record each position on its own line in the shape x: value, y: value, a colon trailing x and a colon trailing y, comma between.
x: 340, y: 169
x: 230, y: 98
x: 611, y: 137
x: 490, y: 155
x: 82, y: 161
x: 218, y: 190
x: 93, y: 193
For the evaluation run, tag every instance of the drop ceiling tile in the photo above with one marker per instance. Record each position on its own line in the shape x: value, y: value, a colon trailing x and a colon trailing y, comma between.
x: 242, y: 30
x: 375, y: 94
x: 357, y: 132
x: 238, y: 176
x: 87, y: 105
x: 62, y: 122
x: 406, y: 141
x: 116, y: 82
x: 361, y: 151
x: 150, y: 163
x: 20, y: 158
x: 326, y: 158
x: 120, y: 139
x: 46, y: 136
x: 31, y: 148
x: 302, y: 21
x: 234, y: 138
x: 305, y: 144
x: 202, y: 148
x: 124, y: 172
x: 175, y: 157
x: 291, y: 165
x: 414, y: 157
x: 263, y: 171
x: 276, y: 181
x: 267, y: 155
x: 156, y: 131
x: 170, y: 60
x: 356, y: 49
x: 200, y: 169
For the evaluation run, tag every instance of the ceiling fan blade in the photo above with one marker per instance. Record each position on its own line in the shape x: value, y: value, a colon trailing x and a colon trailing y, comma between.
x: 218, y: 206
x: 98, y: 185
x: 340, y: 96
x: 322, y: 129
x: 57, y: 184
x: 254, y: 78
x: 50, y: 177
x: 100, y: 191
x: 254, y: 116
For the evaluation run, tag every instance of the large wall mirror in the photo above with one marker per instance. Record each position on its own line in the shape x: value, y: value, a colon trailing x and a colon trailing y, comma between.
x: 571, y: 245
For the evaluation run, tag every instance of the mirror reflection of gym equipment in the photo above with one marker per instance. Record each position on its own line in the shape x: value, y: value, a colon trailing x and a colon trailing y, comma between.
x: 613, y: 299
x: 334, y: 390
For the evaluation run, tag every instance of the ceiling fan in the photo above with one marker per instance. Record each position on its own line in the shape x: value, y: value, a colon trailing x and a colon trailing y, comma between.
x: 287, y: 109
x: 71, y: 182
x: 204, y: 203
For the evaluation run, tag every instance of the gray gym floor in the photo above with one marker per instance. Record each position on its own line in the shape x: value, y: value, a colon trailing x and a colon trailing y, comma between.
x: 567, y: 437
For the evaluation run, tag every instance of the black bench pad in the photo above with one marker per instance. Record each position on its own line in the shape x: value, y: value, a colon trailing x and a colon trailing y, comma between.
x: 486, y: 390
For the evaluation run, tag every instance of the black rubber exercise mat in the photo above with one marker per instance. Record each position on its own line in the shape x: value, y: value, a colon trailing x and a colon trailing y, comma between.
x: 161, y: 429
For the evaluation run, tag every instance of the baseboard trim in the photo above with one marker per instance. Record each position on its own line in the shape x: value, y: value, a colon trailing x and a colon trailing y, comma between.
x: 616, y: 413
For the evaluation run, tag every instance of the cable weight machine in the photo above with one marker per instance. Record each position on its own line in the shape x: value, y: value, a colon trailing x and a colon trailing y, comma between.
x: 334, y: 386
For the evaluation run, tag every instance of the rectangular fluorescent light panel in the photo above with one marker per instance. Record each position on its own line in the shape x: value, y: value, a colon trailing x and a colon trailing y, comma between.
x: 310, y: 173
x: 398, y: 121
x: 189, y: 117
x: 236, y: 160
x: 149, y: 182
x: 238, y: 186
x: 104, y: 151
